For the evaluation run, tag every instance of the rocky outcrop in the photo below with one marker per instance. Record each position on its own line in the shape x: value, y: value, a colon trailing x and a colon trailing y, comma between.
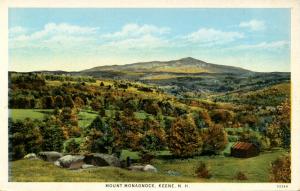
x: 136, y: 167
x: 99, y: 159
x: 86, y: 166
x: 71, y: 161
x: 149, y: 168
x: 146, y: 168
x: 31, y: 156
x: 49, y: 156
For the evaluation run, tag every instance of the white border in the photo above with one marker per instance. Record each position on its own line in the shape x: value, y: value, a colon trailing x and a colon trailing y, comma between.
x: 295, y: 68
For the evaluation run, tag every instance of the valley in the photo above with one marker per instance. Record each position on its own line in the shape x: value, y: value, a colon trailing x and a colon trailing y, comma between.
x: 175, y: 115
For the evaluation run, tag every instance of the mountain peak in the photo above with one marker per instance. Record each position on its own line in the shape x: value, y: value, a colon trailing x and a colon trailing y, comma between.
x: 190, y: 59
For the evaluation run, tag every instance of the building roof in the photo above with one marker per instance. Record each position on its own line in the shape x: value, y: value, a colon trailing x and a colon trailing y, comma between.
x: 242, y: 145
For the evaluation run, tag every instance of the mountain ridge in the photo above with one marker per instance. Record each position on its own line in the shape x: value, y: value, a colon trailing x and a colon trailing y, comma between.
x: 183, y: 65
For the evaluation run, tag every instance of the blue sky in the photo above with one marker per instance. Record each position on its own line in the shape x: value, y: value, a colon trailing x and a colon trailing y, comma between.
x: 76, y: 39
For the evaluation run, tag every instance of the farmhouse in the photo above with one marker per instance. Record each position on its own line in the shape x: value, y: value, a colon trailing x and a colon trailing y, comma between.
x: 244, y: 150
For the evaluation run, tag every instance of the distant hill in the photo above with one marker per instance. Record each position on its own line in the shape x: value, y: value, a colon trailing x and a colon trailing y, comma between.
x: 184, y: 65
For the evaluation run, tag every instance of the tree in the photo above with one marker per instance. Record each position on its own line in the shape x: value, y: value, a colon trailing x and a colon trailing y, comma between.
x: 59, y: 101
x: 184, y: 139
x: 100, y: 137
x: 131, y: 129
x: 69, y: 101
x: 279, y: 131
x: 96, y: 104
x: 214, y: 139
x: 203, y: 120
x: 78, y: 102
x: 261, y: 141
x: 48, y: 102
x: 154, y: 137
x: 102, y: 112
x: 221, y: 116
x: 53, y: 137
x: 72, y: 146
x: 24, y: 137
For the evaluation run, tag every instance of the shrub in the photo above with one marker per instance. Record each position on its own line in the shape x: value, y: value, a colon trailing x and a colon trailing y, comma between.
x: 281, y: 170
x: 18, y: 152
x: 146, y: 156
x: 72, y: 146
x: 214, y: 139
x: 221, y: 116
x: 202, y: 170
x: 240, y: 176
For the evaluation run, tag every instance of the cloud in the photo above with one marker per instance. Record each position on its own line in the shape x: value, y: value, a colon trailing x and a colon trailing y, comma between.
x: 254, y: 25
x: 210, y: 36
x: 52, y: 34
x: 17, y: 30
x: 52, y: 29
x: 134, y: 30
x: 133, y: 36
x: 145, y: 42
x: 275, y: 45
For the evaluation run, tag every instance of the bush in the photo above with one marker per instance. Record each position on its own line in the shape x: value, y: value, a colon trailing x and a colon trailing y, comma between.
x: 240, y: 176
x: 146, y: 157
x: 222, y: 116
x: 18, y: 152
x: 281, y: 170
x: 214, y: 139
x: 202, y: 170
x: 72, y: 146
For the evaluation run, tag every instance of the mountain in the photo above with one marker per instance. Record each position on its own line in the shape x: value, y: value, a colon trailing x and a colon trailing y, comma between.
x: 184, y: 65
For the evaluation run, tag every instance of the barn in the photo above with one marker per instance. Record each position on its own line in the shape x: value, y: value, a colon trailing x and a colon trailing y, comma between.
x: 244, y: 150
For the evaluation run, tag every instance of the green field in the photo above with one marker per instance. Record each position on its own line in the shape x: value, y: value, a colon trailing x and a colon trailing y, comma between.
x: 223, y: 169
x: 85, y: 117
x: 21, y: 114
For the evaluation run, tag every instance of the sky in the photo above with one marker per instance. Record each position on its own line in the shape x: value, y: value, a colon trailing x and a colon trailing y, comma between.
x: 77, y: 39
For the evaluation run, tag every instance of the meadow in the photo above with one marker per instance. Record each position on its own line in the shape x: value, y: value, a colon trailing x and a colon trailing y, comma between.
x: 223, y: 169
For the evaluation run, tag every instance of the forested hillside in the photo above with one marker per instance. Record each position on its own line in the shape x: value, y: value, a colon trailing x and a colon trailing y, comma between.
x: 82, y: 114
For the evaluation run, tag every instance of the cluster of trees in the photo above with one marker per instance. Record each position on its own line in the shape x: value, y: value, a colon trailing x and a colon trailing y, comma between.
x: 279, y: 131
x: 181, y: 136
x: 49, y: 134
x: 64, y: 77
x: 32, y: 136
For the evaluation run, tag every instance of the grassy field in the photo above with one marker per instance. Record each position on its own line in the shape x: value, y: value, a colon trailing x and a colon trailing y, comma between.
x: 40, y: 171
x: 21, y: 114
x: 85, y: 118
x: 223, y: 169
